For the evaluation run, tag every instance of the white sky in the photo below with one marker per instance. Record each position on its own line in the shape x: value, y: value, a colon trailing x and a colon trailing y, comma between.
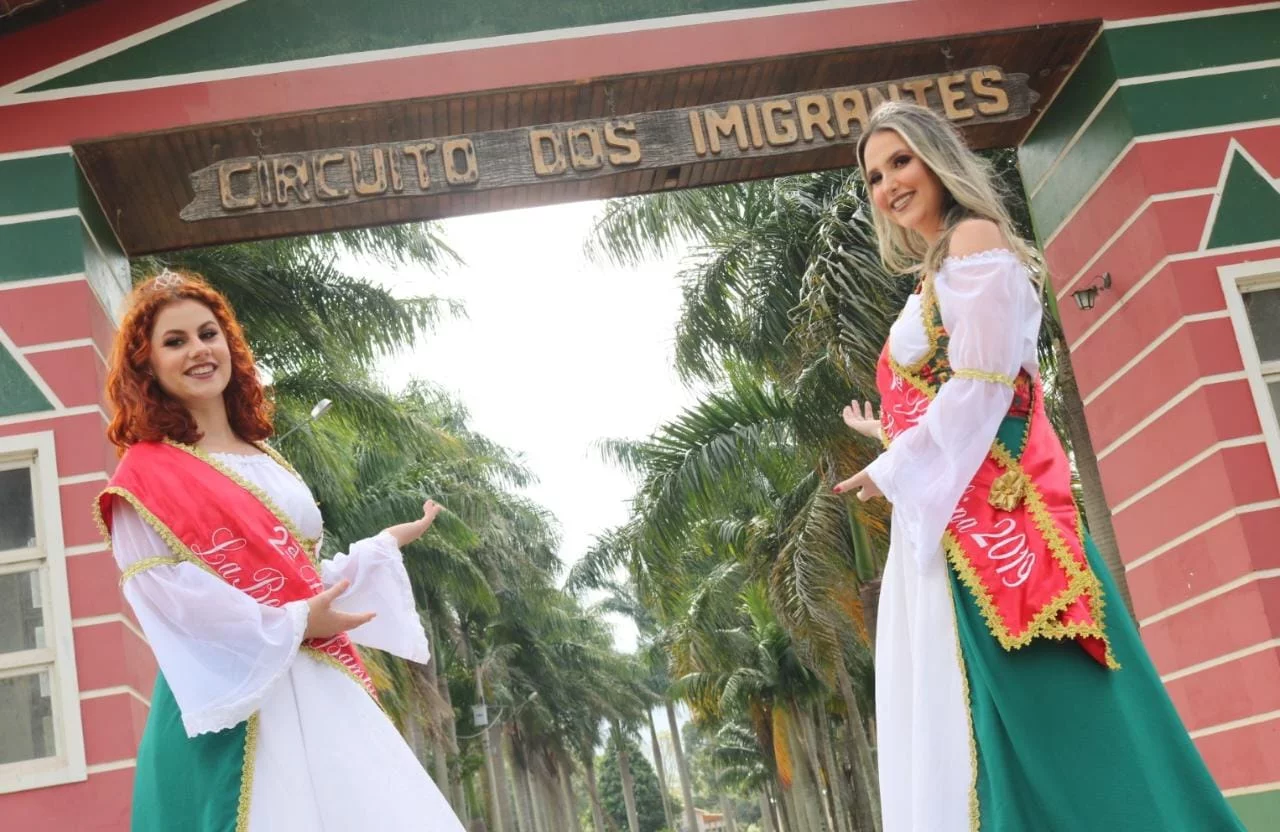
x: 554, y: 354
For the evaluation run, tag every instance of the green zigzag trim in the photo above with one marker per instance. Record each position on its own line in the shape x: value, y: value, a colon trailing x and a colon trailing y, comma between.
x: 1249, y: 208
x: 18, y: 393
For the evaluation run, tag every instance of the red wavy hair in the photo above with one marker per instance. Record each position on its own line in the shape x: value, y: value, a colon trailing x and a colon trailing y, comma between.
x: 143, y: 412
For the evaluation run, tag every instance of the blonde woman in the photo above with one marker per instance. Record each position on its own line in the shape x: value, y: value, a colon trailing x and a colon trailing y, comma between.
x: 1007, y: 698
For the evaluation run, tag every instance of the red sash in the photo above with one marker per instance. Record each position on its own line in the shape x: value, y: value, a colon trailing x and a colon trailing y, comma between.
x: 1015, y: 539
x: 211, y: 517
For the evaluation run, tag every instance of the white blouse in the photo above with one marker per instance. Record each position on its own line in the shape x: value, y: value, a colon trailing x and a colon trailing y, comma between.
x: 991, y: 310
x: 220, y: 650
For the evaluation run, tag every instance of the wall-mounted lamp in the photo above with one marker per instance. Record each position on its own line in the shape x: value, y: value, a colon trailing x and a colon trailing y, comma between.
x: 1086, y: 297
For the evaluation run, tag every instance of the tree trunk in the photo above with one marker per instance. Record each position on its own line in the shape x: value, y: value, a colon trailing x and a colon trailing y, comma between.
x: 773, y: 790
x: 686, y: 786
x: 502, y: 818
x: 788, y: 818
x: 520, y: 773
x: 766, y: 811
x: 485, y: 807
x: 839, y: 795
x: 860, y: 753
x: 662, y: 773
x: 593, y: 793
x: 726, y: 809
x: 805, y: 735
x: 807, y: 801
x: 552, y: 814
x: 432, y: 676
x: 566, y: 788
x: 1096, y: 510
x: 454, y: 773
x: 628, y: 782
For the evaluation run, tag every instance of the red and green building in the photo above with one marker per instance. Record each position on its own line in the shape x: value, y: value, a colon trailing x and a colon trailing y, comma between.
x: 1151, y: 155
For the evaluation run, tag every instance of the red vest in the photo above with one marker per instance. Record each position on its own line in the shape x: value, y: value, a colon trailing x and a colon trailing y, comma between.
x: 1015, y: 538
x: 210, y: 516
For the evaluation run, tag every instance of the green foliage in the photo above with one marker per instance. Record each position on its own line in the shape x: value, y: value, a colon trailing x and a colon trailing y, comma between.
x: 648, y: 796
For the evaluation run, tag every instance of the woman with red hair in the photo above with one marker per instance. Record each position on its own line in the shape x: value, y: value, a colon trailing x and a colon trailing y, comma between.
x: 263, y: 716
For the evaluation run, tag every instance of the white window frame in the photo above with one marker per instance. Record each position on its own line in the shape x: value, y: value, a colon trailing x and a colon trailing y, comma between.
x: 1238, y: 280
x: 36, y: 451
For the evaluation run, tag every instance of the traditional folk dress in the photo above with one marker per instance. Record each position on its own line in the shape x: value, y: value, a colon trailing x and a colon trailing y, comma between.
x: 252, y: 728
x: 1006, y: 699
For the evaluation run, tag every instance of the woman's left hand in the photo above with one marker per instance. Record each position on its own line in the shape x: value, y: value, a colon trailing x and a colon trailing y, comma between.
x: 406, y: 533
x: 867, y: 489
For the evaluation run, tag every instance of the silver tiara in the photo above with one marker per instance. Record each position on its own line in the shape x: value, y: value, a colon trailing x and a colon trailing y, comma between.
x: 167, y: 280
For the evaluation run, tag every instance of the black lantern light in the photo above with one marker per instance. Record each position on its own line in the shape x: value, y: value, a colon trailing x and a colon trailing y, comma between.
x: 1086, y: 297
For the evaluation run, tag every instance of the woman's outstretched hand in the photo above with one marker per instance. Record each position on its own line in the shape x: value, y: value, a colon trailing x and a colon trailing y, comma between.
x: 406, y: 533
x: 323, y: 621
x: 862, y: 417
x: 862, y: 482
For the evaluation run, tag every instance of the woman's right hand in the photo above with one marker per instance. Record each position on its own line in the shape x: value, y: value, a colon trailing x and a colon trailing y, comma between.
x: 862, y: 417
x: 323, y: 621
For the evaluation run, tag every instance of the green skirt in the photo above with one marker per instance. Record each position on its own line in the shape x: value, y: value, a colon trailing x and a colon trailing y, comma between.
x: 185, y: 784
x: 1065, y: 744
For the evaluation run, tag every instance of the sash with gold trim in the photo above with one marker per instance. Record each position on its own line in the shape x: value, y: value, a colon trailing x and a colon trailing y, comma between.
x: 1015, y: 538
x: 211, y: 517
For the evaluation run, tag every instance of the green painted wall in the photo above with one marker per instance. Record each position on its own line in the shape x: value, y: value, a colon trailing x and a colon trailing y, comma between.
x: 45, y: 248
x: 269, y: 31
x: 38, y: 183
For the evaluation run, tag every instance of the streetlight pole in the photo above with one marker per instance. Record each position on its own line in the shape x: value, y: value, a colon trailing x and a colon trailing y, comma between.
x: 319, y: 410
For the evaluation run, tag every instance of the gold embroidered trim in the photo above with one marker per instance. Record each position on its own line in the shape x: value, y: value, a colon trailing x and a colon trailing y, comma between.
x: 1097, y: 601
x: 145, y: 564
x: 983, y: 375
x: 312, y: 545
x: 911, y: 378
x: 170, y: 539
x: 280, y: 460
x: 308, y: 545
x: 325, y: 658
x: 1080, y: 579
x: 975, y: 808
x: 246, y: 774
x: 927, y: 303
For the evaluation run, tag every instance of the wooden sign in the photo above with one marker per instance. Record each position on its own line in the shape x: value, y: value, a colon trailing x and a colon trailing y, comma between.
x: 586, y: 149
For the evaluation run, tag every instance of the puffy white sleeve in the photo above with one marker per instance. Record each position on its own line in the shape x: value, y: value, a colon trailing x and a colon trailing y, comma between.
x: 220, y: 650
x: 992, y: 312
x: 379, y: 584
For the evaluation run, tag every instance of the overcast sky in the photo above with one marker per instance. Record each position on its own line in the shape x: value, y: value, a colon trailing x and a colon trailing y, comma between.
x: 554, y: 353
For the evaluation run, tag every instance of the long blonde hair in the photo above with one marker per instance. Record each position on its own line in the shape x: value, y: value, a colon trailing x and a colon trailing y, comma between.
x: 969, y: 184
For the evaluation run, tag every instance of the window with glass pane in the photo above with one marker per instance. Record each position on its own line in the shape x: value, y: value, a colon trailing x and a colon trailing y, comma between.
x: 17, y: 509
x: 1263, y: 310
x: 26, y: 717
x: 21, y: 611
